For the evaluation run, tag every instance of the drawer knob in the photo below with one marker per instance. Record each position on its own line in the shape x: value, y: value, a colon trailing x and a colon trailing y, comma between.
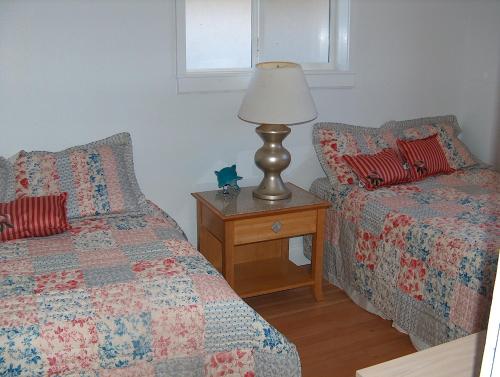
x: 277, y: 227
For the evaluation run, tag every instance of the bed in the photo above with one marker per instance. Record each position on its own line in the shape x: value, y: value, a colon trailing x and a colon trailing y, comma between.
x: 123, y: 293
x: 422, y: 254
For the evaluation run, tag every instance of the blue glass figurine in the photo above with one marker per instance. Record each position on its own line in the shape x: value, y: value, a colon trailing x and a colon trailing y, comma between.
x: 228, y: 177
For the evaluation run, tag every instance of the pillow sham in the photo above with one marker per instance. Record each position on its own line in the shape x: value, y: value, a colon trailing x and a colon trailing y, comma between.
x: 33, y: 217
x: 447, y: 129
x: 7, y: 191
x: 425, y: 157
x: 334, y: 140
x: 99, y: 177
x: 378, y: 170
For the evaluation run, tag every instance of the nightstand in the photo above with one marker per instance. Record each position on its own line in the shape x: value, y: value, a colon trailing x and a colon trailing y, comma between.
x: 246, y: 239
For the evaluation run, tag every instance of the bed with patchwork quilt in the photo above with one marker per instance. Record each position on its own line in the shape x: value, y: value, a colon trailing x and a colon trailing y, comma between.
x: 124, y: 294
x: 423, y: 254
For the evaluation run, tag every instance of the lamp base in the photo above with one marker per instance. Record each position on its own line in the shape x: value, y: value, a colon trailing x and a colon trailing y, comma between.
x: 272, y: 158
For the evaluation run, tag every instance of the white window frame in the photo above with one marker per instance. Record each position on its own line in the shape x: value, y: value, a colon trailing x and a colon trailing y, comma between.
x: 335, y: 74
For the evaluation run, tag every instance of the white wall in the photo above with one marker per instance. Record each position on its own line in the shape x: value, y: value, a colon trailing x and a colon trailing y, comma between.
x: 480, y: 93
x: 72, y: 71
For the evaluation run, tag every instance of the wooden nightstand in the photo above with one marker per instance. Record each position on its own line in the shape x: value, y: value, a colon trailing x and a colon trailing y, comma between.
x: 246, y: 239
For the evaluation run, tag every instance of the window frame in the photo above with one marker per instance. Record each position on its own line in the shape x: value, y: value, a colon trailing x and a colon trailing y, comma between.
x: 335, y: 74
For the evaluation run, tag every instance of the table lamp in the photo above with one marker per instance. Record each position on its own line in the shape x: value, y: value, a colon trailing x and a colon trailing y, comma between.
x: 278, y: 96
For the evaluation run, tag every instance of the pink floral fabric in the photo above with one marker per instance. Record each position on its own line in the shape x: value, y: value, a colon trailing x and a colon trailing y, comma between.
x: 127, y: 295
x: 423, y: 254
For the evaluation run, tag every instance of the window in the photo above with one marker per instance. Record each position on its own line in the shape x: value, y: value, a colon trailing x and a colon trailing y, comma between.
x: 218, y: 41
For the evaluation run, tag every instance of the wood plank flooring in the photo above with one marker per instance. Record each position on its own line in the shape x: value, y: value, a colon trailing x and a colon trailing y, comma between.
x: 334, y: 337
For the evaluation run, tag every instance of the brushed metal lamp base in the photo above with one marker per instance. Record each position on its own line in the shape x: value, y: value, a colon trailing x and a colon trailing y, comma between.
x: 272, y: 158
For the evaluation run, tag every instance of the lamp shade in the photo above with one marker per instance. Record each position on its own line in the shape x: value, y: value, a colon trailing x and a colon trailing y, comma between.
x: 278, y: 94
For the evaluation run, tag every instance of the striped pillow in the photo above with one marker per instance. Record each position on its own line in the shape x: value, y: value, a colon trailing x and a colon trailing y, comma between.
x: 425, y: 157
x: 377, y: 170
x: 39, y: 216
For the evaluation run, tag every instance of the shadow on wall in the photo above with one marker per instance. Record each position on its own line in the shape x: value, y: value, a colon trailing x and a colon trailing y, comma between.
x: 496, y: 136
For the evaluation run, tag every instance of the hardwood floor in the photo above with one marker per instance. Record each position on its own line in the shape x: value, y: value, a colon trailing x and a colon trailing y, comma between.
x: 334, y: 337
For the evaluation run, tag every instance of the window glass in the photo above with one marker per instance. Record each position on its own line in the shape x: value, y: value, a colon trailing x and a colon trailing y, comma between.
x: 218, y: 34
x: 294, y: 30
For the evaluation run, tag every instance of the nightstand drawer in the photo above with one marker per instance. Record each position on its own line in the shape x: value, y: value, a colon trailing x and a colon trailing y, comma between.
x: 274, y: 227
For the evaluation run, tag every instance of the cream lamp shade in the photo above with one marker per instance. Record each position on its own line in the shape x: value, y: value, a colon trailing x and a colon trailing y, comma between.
x: 278, y: 94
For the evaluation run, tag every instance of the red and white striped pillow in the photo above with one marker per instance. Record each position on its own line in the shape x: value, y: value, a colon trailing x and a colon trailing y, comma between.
x: 33, y: 216
x: 425, y: 157
x: 377, y: 170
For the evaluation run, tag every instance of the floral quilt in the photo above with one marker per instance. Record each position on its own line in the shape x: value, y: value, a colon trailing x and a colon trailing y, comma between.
x: 422, y: 254
x: 127, y: 295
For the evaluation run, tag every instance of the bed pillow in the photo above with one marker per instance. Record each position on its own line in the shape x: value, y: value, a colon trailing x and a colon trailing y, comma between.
x: 33, y: 217
x: 447, y: 129
x: 332, y: 141
x: 378, y: 170
x: 425, y: 157
x: 99, y: 177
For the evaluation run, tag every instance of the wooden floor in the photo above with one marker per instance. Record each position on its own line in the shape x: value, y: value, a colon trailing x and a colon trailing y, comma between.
x: 334, y: 337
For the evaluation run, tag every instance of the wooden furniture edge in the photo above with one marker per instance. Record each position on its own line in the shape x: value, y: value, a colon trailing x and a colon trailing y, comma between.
x: 458, y: 358
x: 321, y: 205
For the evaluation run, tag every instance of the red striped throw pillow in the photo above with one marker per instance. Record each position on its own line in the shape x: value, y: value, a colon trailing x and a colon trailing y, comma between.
x: 33, y: 216
x: 425, y: 157
x: 377, y: 170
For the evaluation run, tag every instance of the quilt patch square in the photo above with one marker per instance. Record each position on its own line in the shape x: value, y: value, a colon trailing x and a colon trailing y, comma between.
x: 366, y: 248
x: 119, y: 300
x: 64, y: 306
x: 167, y: 233
x: 99, y: 277
x: 134, y: 236
x: 14, y: 250
x: 420, y: 212
x: 150, y: 251
x: 69, y: 346
x: 127, y: 222
x: 98, y: 259
x: 59, y: 281
x: 469, y: 309
x: 412, y: 276
x: 438, y: 293
x: 397, y: 202
x: 369, y: 218
x: 447, y: 254
x: 50, y: 245
x: 181, y: 367
x: 19, y: 353
x: 15, y: 285
x: 229, y: 325
x: 173, y: 292
x: 18, y: 311
x: 213, y: 288
x: 181, y: 248
x: 55, y: 262
x: 166, y: 268
x: 232, y: 363
x: 99, y: 240
x: 137, y: 369
x: 477, y: 270
x: 178, y: 332
x: 16, y: 267
x: 124, y: 340
x: 197, y: 265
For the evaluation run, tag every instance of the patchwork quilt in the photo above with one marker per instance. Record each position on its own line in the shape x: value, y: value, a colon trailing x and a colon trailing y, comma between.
x: 127, y: 295
x: 423, y: 254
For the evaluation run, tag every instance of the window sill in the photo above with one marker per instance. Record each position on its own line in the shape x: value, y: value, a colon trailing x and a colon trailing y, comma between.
x: 238, y: 81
